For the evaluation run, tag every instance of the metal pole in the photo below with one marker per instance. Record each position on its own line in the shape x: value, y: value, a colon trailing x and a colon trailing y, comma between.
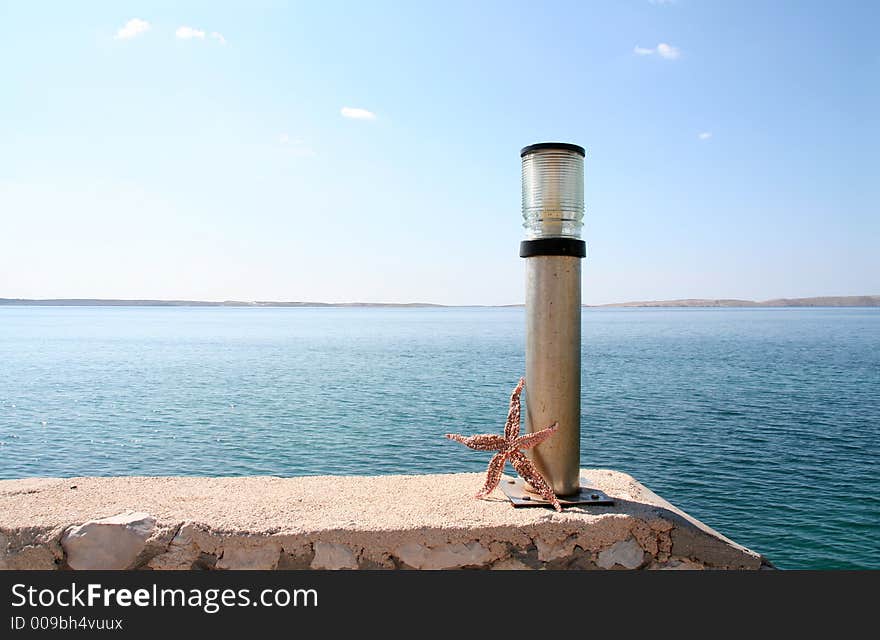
x: 553, y: 212
x: 553, y: 366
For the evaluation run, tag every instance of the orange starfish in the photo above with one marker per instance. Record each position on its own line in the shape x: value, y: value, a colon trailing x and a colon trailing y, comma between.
x: 508, y: 448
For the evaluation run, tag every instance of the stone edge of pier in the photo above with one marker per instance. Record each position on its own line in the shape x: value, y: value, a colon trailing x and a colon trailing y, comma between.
x: 344, y: 522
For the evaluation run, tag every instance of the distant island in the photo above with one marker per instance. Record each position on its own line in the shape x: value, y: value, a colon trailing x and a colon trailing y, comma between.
x: 100, y: 302
x: 821, y: 301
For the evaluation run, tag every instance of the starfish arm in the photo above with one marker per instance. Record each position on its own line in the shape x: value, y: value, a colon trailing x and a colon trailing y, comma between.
x: 531, y: 439
x: 493, y: 475
x: 530, y: 474
x: 511, y: 427
x: 480, y: 442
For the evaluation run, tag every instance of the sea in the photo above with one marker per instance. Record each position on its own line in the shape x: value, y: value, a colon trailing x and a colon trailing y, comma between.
x: 763, y: 423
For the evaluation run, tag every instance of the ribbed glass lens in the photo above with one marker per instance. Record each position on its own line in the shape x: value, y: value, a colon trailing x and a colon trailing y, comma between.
x: 553, y: 191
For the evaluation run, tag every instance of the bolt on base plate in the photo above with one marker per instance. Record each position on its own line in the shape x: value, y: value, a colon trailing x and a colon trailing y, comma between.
x: 520, y: 495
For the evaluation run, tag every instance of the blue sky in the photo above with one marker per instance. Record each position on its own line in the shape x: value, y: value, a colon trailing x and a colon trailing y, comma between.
x: 202, y: 151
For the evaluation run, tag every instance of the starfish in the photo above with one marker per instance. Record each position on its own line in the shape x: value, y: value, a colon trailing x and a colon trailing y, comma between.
x: 508, y: 448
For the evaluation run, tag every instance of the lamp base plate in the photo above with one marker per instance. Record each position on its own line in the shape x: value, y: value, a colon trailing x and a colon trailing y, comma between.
x: 520, y: 496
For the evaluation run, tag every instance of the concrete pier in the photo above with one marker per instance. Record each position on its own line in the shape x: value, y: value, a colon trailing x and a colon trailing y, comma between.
x: 344, y: 522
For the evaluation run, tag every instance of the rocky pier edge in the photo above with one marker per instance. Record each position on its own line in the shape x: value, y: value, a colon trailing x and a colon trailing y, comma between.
x: 344, y: 522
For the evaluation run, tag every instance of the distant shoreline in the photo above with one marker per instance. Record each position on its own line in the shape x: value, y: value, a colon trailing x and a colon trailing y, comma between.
x: 820, y: 301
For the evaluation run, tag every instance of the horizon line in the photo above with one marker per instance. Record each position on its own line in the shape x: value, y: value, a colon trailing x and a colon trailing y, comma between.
x: 869, y: 300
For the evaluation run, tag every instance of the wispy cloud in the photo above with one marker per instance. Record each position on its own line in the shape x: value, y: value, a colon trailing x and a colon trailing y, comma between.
x: 296, y: 147
x: 133, y: 27
x: 668, y: 51
x: 356, y: 113
x: 705, y: 135
x: 188, y: 33
x: 663, y: 50
x: 218, y: 37
x: 286, y: 139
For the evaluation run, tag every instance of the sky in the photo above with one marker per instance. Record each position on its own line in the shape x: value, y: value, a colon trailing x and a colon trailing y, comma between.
x: 369, y: 151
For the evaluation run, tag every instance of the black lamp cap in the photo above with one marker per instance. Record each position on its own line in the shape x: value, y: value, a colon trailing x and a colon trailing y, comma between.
x: 553, y: 145
x: 553, y: 247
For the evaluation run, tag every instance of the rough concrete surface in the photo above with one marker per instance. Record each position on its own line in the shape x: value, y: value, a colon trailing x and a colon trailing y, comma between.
x: 344, y: 522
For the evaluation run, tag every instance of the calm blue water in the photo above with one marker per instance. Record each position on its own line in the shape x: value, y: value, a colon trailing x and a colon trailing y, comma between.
x: 764, y: 423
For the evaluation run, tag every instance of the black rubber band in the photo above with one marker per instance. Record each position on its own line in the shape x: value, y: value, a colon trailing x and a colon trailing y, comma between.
x: 565, y: 146
x: 553, y: 247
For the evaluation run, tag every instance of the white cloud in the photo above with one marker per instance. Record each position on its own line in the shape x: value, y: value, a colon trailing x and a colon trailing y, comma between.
x: 286, y: 139
x: 668, y: 51
x: 132, y: 28
x: 218, y: 37
x: 296, y: 147
x: 357, y: 114
x: 663, y: 50
x: 302, y: 151
x: 188, y: 33
x: 705, y: 135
